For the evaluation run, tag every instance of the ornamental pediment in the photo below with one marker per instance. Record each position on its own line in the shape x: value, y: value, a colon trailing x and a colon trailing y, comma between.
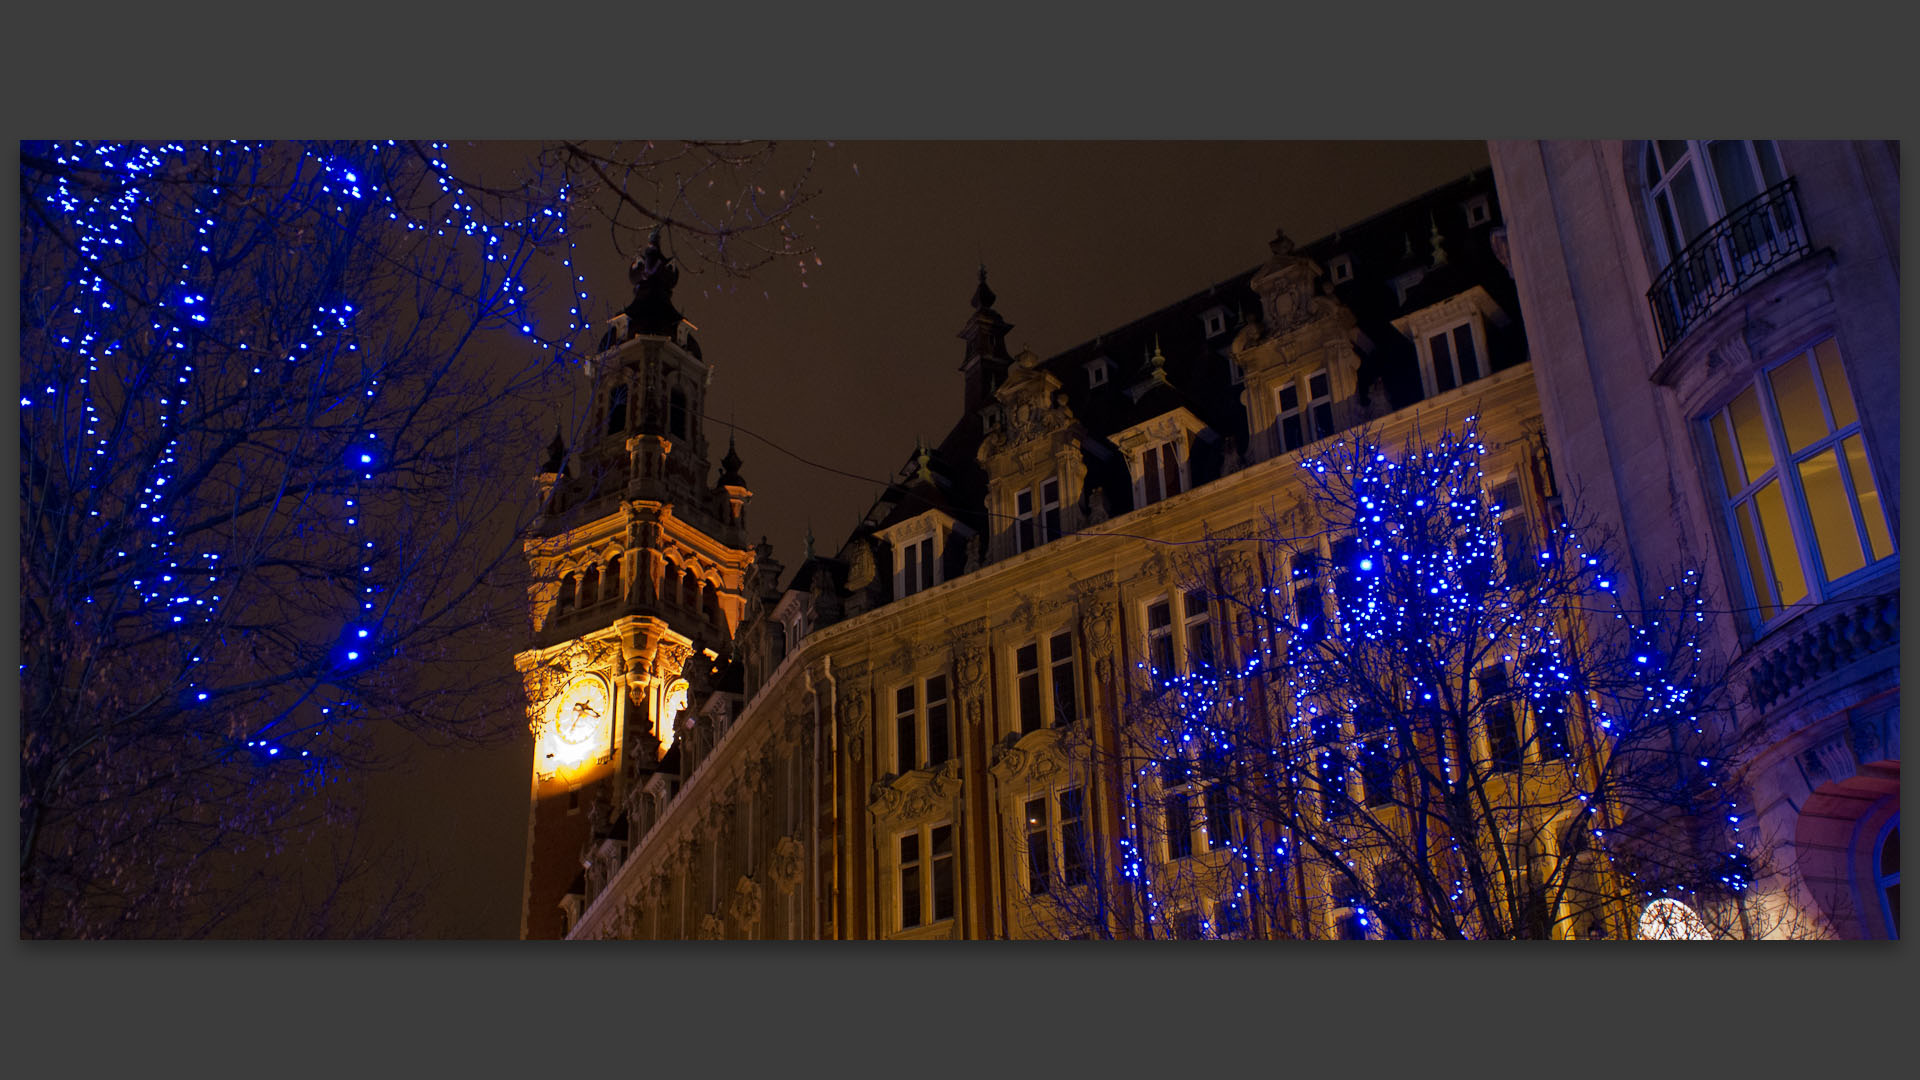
x: 1034, y: 759
x: 915, y: 796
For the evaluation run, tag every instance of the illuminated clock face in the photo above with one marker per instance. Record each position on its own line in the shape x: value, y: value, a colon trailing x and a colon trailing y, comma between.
x: 580, y: 715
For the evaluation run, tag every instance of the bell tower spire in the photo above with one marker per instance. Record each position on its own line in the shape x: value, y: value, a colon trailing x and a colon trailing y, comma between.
x: 640, y: 565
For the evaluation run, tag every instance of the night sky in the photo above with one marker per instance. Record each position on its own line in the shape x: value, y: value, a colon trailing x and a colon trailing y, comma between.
x: 847, y: 364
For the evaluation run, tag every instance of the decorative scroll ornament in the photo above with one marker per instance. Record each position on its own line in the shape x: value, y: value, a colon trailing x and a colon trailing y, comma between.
x: 784, y: 868
x: 745, y: 907
x: 712, y: 928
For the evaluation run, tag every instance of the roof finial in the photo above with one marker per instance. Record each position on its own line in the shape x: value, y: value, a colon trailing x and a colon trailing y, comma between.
x: 809, y: 554
x: 983, y: 297
x: 1433, y: 238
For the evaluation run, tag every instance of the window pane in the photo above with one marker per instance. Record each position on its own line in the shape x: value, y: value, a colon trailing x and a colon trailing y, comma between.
x: 1289, y: 398
x: 1317, y: 385
x: 1839, y: 394
x: 943, y: 872
x: 1770, y: 171
x: 1750, y: 431
x: 1729, y: 468
x: 1170, y: 466
x: 1756, y: 568
x: 1687, y: 204
x: 1150, y: 474
x: 1443, y: 380
x: 1469, y: 356
x: 1027, y: 665
x: 1039, y: 859
x: 909, y: 754
x: 1322, y: 420
x: 1065, y: 709
x: 1179, y: 827
x: 1870, y: 508
x: 1196, y: 602
x: 1159, y: 615
x: 939, y: 744
x: 1798, y: 402
x: 1784, y: 557
x: 1833, y: 527
x: 1667, y: 228
x: 926, y: 563
x: 1292, y: 434
x: 1734, y: 170
x: 1219, y: 817
x: 1671, y: 151
x: 1073, y: 839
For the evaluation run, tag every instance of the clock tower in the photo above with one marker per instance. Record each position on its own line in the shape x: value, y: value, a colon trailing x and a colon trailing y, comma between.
x: 638, y: 566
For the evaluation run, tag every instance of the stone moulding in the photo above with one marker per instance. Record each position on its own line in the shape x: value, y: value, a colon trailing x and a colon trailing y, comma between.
x: 1819, y: 648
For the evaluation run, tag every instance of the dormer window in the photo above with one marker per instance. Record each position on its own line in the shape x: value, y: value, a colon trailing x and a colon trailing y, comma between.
x: 1340, y: 268
x: 1452, y: 357
x: 1214, y: 321
x: 1479, y: 212
x: 1157, y: 455
x: 1098, y: 370
x: 1160, y: 468
x: 918, y: 545
x: 1305, y: 410
x: 916, y: 574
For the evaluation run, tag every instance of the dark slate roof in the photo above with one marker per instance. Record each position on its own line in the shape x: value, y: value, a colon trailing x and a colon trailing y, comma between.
x: 1382, y: 248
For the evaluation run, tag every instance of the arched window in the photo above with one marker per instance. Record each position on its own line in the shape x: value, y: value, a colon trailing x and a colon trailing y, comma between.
x: 677, y: 413
x: 566, y: 593
x: 1692, y: 184
x: 1886, y: 874
x: 615, y: 589
x: 590, y: 587
x: 617, y: 410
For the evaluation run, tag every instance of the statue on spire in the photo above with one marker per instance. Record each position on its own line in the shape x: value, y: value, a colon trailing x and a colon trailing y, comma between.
x: 653, y: 276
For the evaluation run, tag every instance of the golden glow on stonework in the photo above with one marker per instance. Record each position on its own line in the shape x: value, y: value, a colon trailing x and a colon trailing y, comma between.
x: 670, y: 711
x: 1670, y: 920
x: 578, y: 723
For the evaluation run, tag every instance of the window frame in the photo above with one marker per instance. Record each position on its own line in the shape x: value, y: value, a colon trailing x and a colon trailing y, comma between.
x: 1067, y: 867
x: 1314, y: 411
x: 1476, y: 332
x: 1045, y: 676
x: 1656, y: 179
x: 1883, y: 879
x: 919, y: 716
x: 1723, y: 451
x: 926, y: 868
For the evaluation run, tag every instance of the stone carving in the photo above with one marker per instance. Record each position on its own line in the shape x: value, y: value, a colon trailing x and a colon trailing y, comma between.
x: 670, y: 656
x: 901, y: 659
x: 745, y: 907
x: 712, y: 928
x: 914, y: 796
x: 1852, y: 633
x: 1154, y: 569
x: 970, y: 664
x: 784, y: 868
x: 543, y: 681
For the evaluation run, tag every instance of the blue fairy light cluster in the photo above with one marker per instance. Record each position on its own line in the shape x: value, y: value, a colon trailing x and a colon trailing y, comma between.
x: 1422, y: 610
x: 182, y: 311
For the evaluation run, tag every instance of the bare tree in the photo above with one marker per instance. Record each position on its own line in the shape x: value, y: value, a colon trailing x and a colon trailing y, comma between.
x: 1423, y: 712
x: 274, y: 450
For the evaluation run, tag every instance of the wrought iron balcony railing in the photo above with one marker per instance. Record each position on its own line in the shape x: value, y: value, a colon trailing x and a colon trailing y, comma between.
x: 1762, y: 233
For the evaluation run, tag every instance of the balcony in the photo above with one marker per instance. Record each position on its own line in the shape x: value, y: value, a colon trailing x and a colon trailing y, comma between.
x: 1756, y: 238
